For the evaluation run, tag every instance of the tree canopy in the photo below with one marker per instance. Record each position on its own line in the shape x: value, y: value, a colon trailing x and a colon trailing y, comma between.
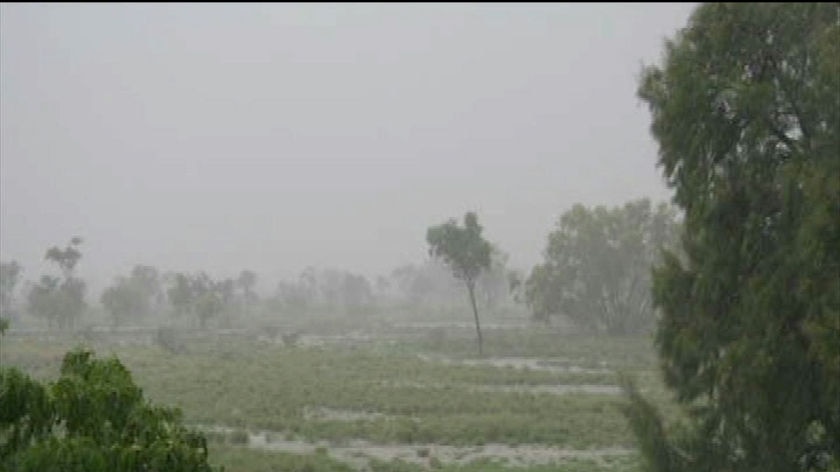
x: 596, y: 267
x: 466, y: 253
x: 746, y: 110
x: 60, y: 300
x: 200, y: 295
x: 133, y: 297
x: 93, y: 418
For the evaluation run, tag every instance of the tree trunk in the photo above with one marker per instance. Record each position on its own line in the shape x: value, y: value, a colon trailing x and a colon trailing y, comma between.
x: 471, y: 290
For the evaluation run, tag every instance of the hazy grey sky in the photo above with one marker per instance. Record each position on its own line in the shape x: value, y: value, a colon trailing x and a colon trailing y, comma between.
x: 272, y: 137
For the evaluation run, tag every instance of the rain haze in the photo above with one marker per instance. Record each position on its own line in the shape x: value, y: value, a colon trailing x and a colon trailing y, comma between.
x: 276, y: 137
x: 419, y: 237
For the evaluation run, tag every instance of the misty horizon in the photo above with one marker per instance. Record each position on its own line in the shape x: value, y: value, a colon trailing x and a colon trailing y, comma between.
x: 277, y: 137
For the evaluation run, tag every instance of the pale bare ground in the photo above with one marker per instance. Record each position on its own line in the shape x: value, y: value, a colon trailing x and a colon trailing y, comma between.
x: 552, y: 389
x: 556, y: 365
x: 335, y: 414
x: 558, y: 389
x: 355, y: 337
x: 358, y: 452
x: 460, y: 325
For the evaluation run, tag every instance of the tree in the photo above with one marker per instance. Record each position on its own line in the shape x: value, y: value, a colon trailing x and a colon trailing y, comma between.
x: 357, y: 294
x: 246, y: 281
x: 199, y: 295
x: 746, y: 110
x: 121, y: 301
x: 9, y: 276
x: 516, y: 285
x: 133, y: 297
x: 292, y: 297
x: 93, y: 418
x: 147, y: 280
x: 426, y: 290
x: 60, y: 300
x: 180, y: 293
x: 208, y: 305
x: 209, y: 297
x: 330, y: 288
x: 597, y: 266
x: 466, y: 253
x: 493, y: 285
x: 66, y: 258
x: 415, y: 283
x: 4, y: 326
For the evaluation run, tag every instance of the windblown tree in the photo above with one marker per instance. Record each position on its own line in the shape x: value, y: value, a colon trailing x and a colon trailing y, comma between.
x: 291, y: 297
x: 325, y: 291
x: 148, y: 281
x: 413, y: 283
x: 357, y: 294
x: 9, y: 277
x: 426, y: 290
x: 124, y: 301
x: 133, y: 297
x: 246, y: 281
x: 92, y: 419
x: 466, y: 253
x: 225, y: 290
x: 209, y: 297
x: 746, y: 110
x: 60, y: 300
x: 597, y: 266
x: 180, y: 293
x: 200, y: 296
x: 493, y: 285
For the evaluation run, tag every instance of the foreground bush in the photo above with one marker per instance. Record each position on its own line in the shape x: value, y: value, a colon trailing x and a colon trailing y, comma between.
x: 93, y: 418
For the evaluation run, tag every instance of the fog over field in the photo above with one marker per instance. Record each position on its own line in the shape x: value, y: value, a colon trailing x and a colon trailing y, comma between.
x: 420, y: 237
x: 276, y: 137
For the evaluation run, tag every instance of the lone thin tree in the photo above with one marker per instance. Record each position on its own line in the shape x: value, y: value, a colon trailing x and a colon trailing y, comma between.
x: 466, y: 253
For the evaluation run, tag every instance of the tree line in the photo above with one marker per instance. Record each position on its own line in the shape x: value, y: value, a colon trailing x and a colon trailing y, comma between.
x: 595, y: 273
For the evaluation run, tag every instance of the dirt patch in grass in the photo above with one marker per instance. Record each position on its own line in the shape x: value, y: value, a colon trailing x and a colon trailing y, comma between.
x: 554, y: 365
x: 359, y: 453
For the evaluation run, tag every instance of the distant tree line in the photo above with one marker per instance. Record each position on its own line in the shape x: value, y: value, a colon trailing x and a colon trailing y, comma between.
x: 201, y: 300
x: 595, y: 274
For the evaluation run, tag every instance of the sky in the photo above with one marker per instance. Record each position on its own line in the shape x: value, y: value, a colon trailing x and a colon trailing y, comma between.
x: 272, y: 137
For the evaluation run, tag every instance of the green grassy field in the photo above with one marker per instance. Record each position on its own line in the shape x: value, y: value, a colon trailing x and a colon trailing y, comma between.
x: 421, y: 404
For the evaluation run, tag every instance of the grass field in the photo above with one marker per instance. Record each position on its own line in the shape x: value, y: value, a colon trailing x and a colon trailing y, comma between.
x: 537, y: 401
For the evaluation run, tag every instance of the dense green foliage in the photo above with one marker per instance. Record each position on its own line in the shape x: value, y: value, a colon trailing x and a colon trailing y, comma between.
x: 597, y: 266
x: 93, y: 418
x: 746, y: 109
x: 466, y: 253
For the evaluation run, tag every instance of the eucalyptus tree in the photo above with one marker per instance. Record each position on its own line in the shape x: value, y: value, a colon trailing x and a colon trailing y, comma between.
x: 746, y: 110
x: 465, y: 252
